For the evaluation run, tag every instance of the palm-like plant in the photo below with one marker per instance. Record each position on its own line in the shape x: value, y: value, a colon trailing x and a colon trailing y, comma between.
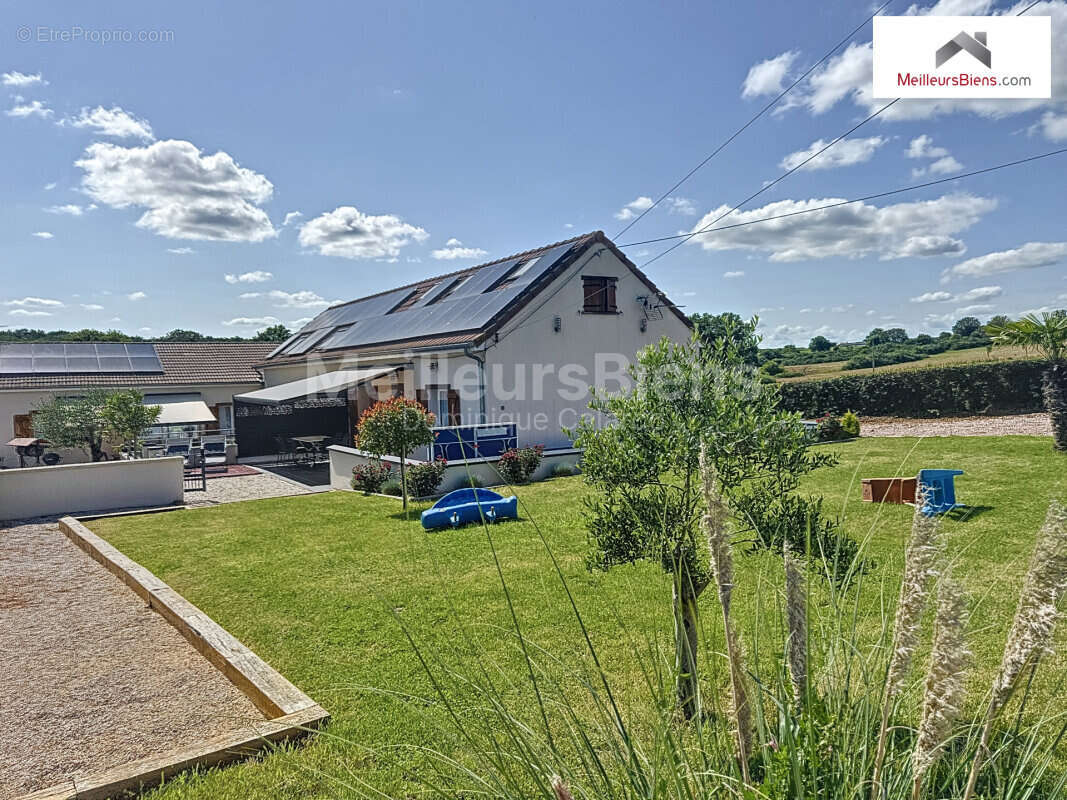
x: 1047, y: 334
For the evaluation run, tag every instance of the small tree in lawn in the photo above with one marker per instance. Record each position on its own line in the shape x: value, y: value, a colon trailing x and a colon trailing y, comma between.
x: 645, y: 467
x: 395, y: 427
x: 87, y: 421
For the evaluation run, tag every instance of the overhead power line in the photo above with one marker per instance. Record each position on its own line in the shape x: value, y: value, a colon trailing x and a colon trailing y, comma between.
x: 759, y: 114
x: 839, y: 203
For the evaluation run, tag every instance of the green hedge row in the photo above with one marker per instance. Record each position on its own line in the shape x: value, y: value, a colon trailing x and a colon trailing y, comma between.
x: 996, y: 387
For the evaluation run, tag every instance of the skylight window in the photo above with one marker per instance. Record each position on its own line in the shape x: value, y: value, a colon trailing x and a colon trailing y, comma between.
x: 450, y: 289
x: 412, y: 298
x: 513, y: 274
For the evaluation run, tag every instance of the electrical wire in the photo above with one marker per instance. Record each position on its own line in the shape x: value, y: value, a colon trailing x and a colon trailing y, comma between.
x: 759, y: 114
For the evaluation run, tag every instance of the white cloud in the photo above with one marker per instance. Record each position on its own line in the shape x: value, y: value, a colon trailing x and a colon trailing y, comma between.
x: 180, y: 251
x: 250, y: 295
x: 113, y: 121
x: 42, y: 235
x: 977, y: 308
x: 768, y: 77
x: 302, y: 299
x: 923, y: 147
x: 633, y: 208
x: 26, y: 312
x: 49, y: 186
x: 980, y: 293
x: 135, y: 296
x: 568, y: 225
x: 34, y: 108
x: 256, y: 276
x: 1053, y: 126
x: 188, y: 195
x: 291, y: 217
x: 454, y: 249
x: 1028, y: 256
x: 34, y: 302
x: 843, y: 154
x: 349, y: 233
x: 251, y: 322
x: 734, y: 274
x: 945, y: 166
x: 915, y: 229
x: 682, y: 206
x: 92, y: 306
x: 21, y: 80
x: 933, y: 297
x: 300, y: 323
x: 70, y: 209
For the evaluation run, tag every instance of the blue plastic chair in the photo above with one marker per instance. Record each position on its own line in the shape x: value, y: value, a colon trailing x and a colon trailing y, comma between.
x: 938, y: 488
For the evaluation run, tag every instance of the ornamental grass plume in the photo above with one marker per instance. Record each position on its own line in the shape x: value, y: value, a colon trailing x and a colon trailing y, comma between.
x: 722, y: 567
x: 559, y: 788
x: 796, y: 614
x: 920, y: 567
x: 1034, y: 623
x: 944, y: 689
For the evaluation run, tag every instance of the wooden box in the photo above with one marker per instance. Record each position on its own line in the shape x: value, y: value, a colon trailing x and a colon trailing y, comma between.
x: 889, y: 490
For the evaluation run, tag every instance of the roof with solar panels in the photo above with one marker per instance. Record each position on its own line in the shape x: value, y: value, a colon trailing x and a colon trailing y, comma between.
x: 64, y: 365
x: 461, y: 307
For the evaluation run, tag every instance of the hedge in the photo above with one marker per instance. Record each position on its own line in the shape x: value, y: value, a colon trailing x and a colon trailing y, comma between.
x: 992, y: 388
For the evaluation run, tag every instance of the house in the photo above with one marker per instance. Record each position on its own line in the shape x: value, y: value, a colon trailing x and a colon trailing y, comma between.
x: 193, y: 382
x: 503, y: 353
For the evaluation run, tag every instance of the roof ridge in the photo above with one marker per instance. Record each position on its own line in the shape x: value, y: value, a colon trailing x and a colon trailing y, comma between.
x: 465, y: 270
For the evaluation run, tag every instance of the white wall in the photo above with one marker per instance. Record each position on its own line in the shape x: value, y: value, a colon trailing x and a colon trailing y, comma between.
x: 22, y: 402
x: 343, y: 459
x: 71, y: 488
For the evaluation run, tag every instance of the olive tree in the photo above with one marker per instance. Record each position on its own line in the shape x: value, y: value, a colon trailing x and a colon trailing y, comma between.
x: 87, y: 421
x: 395, y: 427
x: 644, y: 464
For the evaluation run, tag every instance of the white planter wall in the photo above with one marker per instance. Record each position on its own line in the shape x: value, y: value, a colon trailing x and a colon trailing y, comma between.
x: 74, y: 488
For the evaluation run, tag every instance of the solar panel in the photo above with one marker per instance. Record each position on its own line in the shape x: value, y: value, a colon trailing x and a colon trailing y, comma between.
x: 68, y: 358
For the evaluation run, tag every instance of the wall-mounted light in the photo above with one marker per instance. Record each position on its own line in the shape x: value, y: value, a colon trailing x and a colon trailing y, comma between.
x: 644, y: 324
x: 433, y: 366
x: 557, y: 324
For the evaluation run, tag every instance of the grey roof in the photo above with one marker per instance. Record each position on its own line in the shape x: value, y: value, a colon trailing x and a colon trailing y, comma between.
x: 474, y: 298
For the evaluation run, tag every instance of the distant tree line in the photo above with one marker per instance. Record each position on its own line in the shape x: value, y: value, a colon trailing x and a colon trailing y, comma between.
x: 274, y: 333
x: 880, y: 347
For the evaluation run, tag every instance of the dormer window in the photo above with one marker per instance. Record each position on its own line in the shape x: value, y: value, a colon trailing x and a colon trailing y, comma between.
x: 414, y: 297
x: 513, y: 274
x: 599, y: 295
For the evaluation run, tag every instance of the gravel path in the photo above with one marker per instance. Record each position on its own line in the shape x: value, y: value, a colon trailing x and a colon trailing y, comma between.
x: 92, y: 678
x: 244, y: 487
x: 1016, y: 425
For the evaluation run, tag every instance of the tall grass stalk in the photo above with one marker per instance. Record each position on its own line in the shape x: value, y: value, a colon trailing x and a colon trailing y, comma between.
x: 796, y: 611
x: 1032, y: 628
x: 920, y: 567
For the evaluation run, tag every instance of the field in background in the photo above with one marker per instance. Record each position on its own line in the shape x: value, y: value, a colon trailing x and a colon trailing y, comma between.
x: 833, y: 369
x: 319, y: 586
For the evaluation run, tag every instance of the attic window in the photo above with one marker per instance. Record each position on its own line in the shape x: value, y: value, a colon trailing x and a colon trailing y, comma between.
x: 513, y: 274
x: 412, y: 298
x: 450, y: 289
x: 599, y: 295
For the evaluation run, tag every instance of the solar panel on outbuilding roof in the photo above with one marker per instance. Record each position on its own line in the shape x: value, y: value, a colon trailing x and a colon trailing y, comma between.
x: 57, y: 358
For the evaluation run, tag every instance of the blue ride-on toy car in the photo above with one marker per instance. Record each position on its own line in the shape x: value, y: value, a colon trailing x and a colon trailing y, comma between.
x: 469, y: 505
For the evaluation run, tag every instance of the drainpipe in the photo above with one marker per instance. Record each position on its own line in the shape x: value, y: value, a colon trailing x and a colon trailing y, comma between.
x: 480, y: 361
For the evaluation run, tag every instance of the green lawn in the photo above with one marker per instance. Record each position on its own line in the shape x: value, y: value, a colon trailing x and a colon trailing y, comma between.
x: 311, y: 584
x: 950, y: 358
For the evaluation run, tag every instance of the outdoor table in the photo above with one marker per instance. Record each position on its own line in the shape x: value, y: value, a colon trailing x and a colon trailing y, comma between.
x: 314, y: 443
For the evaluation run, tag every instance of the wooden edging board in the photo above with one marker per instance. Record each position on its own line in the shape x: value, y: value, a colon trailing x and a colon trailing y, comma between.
x: 290, y: 713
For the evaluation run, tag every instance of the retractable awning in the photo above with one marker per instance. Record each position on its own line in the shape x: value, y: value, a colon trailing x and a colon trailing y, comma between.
x: 326, y: 383
x: 180, y: 409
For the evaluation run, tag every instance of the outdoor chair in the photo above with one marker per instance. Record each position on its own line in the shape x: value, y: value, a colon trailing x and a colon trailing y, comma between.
x: 214, y: 448
x: 283, y: 449
x: 176, y: 447
x: 937, y: 487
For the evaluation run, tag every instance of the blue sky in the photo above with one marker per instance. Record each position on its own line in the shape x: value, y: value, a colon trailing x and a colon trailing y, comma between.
x: 320, y: 152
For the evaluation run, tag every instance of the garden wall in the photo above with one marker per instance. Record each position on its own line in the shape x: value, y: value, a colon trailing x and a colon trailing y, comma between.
x: 69, y: 488
x: 342, y: 459
x: 999, y: 387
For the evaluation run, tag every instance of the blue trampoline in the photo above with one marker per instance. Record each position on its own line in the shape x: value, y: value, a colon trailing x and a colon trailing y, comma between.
x: 469, y: 505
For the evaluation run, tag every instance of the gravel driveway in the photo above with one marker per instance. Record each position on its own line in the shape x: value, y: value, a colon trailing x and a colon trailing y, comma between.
x: 92, y: 678
x: 1014, y: 425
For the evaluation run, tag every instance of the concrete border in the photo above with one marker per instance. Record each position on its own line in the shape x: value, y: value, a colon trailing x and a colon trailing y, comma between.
x: 290, y: 713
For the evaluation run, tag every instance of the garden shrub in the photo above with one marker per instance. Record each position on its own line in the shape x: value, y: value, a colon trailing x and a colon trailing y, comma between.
x: 830, y: 429
x: 475, y: 482
x: 850, y: 423
x: 368, y: 478
x: 392, y: 487
x: 423, y: 479
x: 996, y: 387
x: 564, y: 470
x: 519, y: 465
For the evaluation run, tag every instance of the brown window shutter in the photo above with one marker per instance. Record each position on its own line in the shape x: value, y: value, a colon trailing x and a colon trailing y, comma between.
x: 592, y: 294
x: 420, y: 395
x: 610, y: 289
x: 453, y: 408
